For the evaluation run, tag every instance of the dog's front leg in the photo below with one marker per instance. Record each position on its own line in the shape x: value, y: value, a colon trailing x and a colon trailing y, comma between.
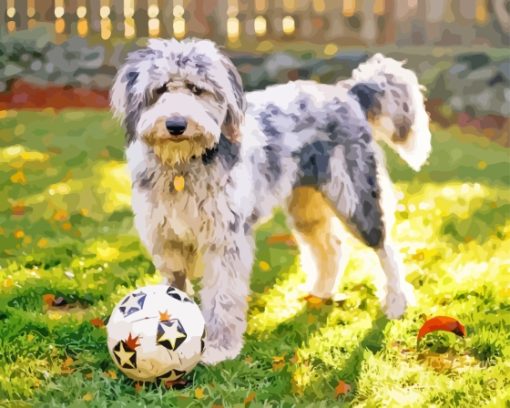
x: 224, y: 294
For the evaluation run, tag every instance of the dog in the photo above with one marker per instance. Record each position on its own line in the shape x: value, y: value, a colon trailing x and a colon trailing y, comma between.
x: 208, y: 162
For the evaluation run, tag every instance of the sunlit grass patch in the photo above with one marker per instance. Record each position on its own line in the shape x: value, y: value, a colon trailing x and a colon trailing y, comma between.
x: 66, y: 230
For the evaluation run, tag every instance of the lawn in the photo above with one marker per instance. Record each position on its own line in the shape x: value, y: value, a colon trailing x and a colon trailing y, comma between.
x: 66, y: 231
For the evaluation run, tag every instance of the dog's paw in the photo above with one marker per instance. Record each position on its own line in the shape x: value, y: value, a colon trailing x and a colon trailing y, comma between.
x: 214, y: 354
x: 397, y: 301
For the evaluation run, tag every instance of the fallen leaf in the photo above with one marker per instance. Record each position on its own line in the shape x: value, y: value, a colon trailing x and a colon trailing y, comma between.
x: 295, y: 359
x: 97, y: 322
x: 285, y: 239
x: 248, y: 360
x: 264, y: 266
x: 443, y: 323
x: 179, y: 183
x: 314, y: 302
x: 18, y: 209
x: 89, y: 376
x: 249, y: 398
x: 132, y: 342
x: 342, y: 388
x: 199, y: 393
x: 66, y: 368
x: 18, y: 234
x: 19, y: 178
x: 66, y: 226
x: 60, y: 215
x: 278, y: 363
x: 8, y: 282
x: 164, y: 316
x: 48, y: 298
x: 88, y: 397
x: 111, y: 374
x: 138, y: 387
x: 42, y: 243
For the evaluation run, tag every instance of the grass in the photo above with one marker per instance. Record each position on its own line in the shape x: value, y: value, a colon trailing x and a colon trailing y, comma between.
x: 66, y: 230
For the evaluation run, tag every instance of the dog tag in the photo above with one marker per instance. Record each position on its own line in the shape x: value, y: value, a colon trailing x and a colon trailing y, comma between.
x: 179, y: 183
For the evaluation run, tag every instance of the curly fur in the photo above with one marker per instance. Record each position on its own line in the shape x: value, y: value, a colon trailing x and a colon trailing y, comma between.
x: 302, y: 146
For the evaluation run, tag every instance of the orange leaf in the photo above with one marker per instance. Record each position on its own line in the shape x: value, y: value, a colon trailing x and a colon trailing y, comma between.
x: 285, y: 239
x: 314, y: 302
x: 164, y: 316
x: 278, y: 363
x: 66, y: 366
x: 342, y: 388
x: 60, y: 215
x: 138, y: 386
x: 19, y: 178
x: 111, y: 374
x: 97, y: 322
x: 250, y: 397
x: 443, y: 323
x: 48, y: 298
x: 132, y: 342
x: 18, y: 209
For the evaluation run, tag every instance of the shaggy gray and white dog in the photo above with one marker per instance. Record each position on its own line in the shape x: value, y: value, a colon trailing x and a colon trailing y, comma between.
x: 208, y: 162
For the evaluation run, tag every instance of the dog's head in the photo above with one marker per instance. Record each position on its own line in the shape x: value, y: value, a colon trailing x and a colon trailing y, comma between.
x: 178, y: 97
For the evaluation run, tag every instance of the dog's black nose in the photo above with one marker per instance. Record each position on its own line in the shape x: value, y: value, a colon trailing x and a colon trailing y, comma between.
x: 176, y: 126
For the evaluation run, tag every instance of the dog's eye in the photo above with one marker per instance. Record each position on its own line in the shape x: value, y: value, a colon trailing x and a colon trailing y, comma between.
x: 161, y: 90
x: 195, y: 89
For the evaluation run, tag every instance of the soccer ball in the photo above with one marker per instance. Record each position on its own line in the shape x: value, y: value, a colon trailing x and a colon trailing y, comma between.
x: 156, y: 333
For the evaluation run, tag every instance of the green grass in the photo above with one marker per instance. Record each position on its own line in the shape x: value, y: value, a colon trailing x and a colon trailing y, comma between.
x: 66, y: 229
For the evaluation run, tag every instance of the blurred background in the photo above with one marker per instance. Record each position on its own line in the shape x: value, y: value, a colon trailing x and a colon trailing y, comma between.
x: 458, y: 48
x: 69, y: 251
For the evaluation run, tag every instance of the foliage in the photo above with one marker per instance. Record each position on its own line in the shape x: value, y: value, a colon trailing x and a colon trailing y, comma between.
x: 66, y: 230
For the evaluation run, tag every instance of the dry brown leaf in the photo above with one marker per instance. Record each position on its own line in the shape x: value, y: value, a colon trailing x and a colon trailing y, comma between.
x: 48, y: 299
x: 111, y: 374
x: 278, y: 363
x: 249, y: 398
x: 285, y: 239
x: 342, y: 388
x: 97, y: 322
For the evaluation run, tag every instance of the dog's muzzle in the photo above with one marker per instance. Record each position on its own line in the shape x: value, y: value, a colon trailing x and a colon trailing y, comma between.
x: 176, y: 125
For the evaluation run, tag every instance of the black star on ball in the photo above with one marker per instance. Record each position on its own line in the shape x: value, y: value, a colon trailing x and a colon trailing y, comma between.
x: 133, y: 303
x: 172, y: 375
x: 173, y: 293
x: 125, y: 352
x: 171, y: 334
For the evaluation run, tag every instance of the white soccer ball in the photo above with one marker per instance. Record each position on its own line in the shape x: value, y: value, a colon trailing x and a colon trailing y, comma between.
x: 156, y: 333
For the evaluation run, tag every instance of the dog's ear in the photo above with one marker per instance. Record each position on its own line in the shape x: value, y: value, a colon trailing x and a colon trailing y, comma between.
x: 236, y: 102
x: 122, y: 90
x: 366, y: 93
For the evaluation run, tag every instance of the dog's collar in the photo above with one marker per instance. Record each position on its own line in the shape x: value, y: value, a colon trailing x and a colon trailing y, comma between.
x: 227, y: 151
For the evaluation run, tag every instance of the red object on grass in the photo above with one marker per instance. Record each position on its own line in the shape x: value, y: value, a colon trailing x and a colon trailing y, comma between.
x: 444, y: 323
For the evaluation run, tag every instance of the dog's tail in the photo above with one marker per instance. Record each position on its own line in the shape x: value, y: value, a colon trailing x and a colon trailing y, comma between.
x: 393, y: 101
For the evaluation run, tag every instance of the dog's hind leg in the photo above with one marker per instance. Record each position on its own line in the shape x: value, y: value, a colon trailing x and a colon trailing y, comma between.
x: 317, y: 230
x: 351, y: 184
